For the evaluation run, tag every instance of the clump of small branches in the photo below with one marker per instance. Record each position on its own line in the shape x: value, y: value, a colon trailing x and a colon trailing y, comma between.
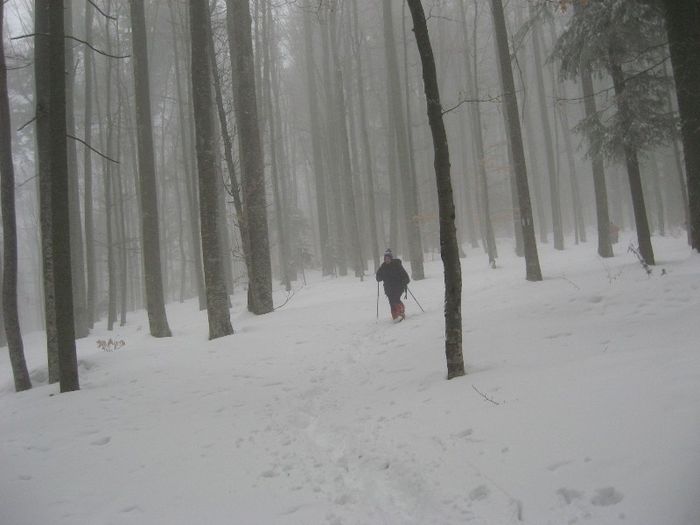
x: 110, y: 345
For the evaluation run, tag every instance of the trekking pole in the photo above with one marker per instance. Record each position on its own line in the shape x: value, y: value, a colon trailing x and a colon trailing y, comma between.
x: 414, y: 298
x: 377, y: 299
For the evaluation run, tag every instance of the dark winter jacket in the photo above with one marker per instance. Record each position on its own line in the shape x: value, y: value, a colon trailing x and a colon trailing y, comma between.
x: 394, y: 276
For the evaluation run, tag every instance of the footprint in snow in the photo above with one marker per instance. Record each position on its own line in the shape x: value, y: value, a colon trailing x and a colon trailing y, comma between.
x: 607, y: 496
x: 101, y: 441
x: 569, y: 495
x: 479, y: 493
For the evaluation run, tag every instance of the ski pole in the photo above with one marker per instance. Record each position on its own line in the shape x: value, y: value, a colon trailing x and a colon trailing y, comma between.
x: 414, y: 298
x: 377, y: 299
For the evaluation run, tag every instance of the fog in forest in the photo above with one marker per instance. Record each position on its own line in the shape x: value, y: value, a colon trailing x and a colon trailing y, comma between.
x: 343, y: 136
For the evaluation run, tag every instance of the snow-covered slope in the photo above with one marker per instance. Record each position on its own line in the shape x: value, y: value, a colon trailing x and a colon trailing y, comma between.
x: 581, y: 405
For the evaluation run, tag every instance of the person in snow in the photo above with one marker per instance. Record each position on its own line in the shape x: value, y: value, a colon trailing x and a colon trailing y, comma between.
x: 396, y: 280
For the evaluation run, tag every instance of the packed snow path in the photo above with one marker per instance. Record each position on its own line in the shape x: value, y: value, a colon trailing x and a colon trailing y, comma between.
x: 580, y: 405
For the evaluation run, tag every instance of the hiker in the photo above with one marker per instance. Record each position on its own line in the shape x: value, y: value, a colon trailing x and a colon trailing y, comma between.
x: 395, y: 283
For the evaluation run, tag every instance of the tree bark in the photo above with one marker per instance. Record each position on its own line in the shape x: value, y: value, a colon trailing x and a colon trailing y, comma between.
x: 410, y: 203
x: 76, y: 238
x: 217, y: 296
x: 10, y: 312
x: 598, y: 168
x: 633, y: 171
x: 317, y: 148
x: 150, y: 245
x: 512, y: 117
x: 250, y: 150
x: 683, y: 25
x: 554, y: 196
x: 49, y: 71
x: 449, y: 247
x: 87, y: 173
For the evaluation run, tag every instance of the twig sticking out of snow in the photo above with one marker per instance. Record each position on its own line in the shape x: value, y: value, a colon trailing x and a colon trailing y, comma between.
x: 487, y: 398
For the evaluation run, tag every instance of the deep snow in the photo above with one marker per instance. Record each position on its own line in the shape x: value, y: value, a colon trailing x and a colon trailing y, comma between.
x: 320, y: 413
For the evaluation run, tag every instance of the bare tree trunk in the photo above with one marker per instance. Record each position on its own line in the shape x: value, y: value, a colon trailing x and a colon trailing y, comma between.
x: 683, y: 25
x: 10, y: 312
x: 76, y: 238
x: 410, y: 202
x: 599, y: 185
x: 449, y: 248
x: 351, y: 222
x: 554, y: 196
x: 633, y: 171
x: 217, y: 297
x: 252, y: 169
x: 478, y: 137
x: 108, y: 175
x: 228, y: 144
x: 365, y: 142
x: 87, y: 169
x: 512, y: 116
x: 150, y: 246
x: 49, y: 72
x: 189, y: 176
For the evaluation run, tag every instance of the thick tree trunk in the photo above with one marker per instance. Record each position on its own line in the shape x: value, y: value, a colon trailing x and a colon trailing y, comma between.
x: 449, y: 248
x: 10, y: 312
x: 410, y: 202
x: 150, y: 245
x: 217, y: 297
x: 512, y: 117
x: 49, y: 71
x: 633, y: 171
x: 250, y: 150
x: 683, y: 25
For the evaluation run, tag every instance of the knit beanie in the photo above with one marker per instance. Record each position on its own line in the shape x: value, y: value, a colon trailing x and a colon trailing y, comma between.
x: 387, y: 253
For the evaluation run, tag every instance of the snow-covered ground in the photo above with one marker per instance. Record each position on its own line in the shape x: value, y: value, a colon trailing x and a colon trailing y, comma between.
x: 581, y: 405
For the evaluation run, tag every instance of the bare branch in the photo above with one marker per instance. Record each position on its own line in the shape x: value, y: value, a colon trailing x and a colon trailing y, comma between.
x: 26, y: 124
x: 496, y: 99
x: 71, y: 37
x: 92, y: 149
x: 97, y: 8
x: 487, y: 398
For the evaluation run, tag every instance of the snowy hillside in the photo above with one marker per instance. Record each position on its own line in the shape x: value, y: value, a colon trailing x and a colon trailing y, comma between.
x: 581, y: 405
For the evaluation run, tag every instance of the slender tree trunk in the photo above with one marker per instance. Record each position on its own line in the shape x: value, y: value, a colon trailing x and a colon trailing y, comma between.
x: 189, y: 177
x: 599, y: 185
x: 228, y: 144
x: 410, y: 203
x: 633, y: 171
x: 10, y: 311
x: 365, y: 142
x: 76, y: 238
x: 87, y: 169
x: 316, y: 147
x: 683, y: 25
x: 658, y: 194
x: 150, y: 245
x: 512, y: 117
x: 350, y: 221
x: 478, y: 138
x: 108, y: 190
x: 449, y: 247
x: 217, y: 297
x: 49, y: 71
x: 274, y: 153
x: 250, y: 150
x: 554, y: 196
